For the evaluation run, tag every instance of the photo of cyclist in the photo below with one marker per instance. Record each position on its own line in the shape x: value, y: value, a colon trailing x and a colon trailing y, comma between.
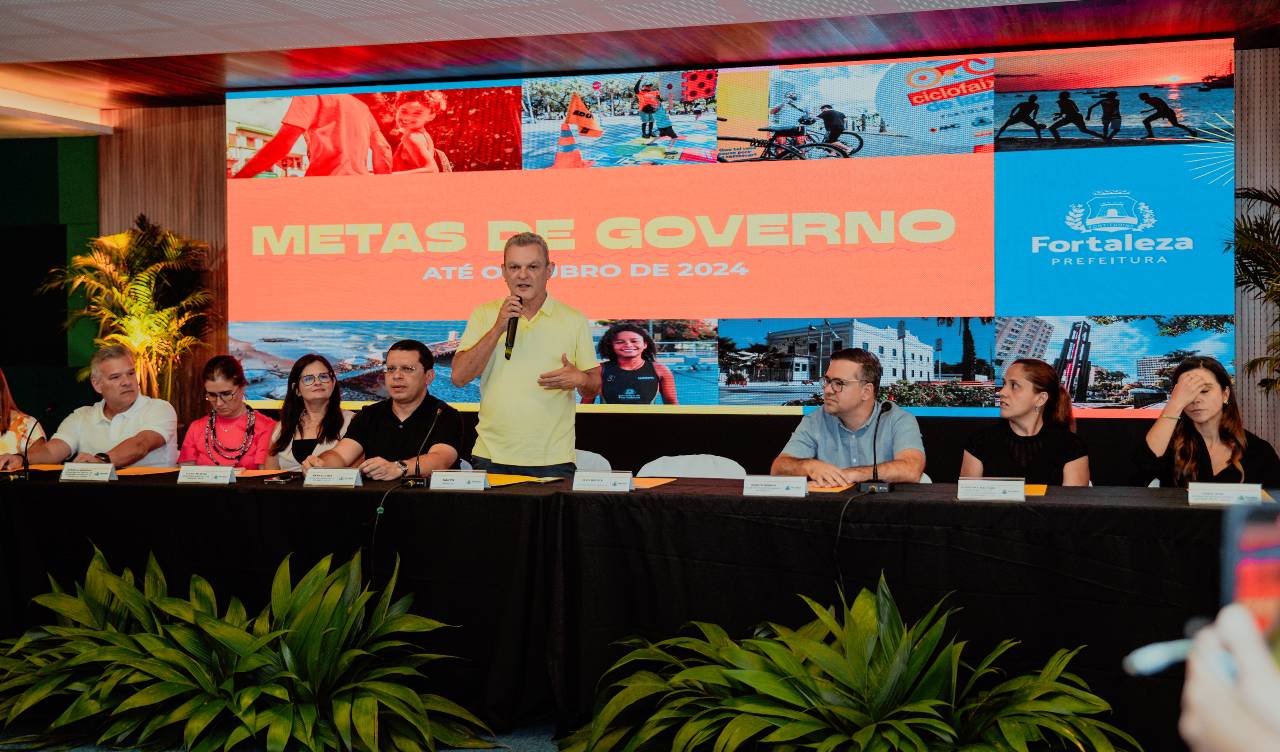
x: 834, y: 121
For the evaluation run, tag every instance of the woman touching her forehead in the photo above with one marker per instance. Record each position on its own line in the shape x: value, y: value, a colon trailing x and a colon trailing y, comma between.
x: 1200, y: 434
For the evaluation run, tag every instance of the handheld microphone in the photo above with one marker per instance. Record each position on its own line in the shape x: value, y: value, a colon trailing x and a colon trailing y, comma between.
x: 25, y: 472
x: 511, y: 332
x: 418, y: 480
x: 875, y: 485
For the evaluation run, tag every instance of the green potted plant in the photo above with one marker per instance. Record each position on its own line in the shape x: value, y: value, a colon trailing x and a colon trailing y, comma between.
x: 142, y: 288
x: 1257, y: 251
x: 854, y: 679
x: 328, y: 664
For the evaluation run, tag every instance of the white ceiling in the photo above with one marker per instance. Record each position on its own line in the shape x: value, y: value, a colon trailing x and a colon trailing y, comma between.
x: 57, y: 30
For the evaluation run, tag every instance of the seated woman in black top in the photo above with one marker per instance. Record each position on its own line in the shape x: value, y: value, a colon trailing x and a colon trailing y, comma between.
x: 1036, y: 440
x: 1200, y: 435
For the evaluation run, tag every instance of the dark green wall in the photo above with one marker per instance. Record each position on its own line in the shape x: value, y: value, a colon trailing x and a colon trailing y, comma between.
x: 48, y: 210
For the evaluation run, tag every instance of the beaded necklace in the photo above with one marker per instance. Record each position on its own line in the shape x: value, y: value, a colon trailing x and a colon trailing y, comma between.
x: 211, y: 443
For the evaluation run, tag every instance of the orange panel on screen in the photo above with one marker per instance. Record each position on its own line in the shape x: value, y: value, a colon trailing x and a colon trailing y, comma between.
x: 902, y: 237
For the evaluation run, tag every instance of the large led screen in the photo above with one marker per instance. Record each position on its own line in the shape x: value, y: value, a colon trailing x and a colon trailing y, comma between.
x: 950, y: 215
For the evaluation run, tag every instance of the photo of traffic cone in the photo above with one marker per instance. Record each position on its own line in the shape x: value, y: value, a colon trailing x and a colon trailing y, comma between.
x: 579, y: 114
x: 567, y: 152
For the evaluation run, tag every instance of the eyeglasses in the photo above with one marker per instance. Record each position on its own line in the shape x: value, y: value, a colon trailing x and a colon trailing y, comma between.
x: 323, y: 378
x: 221, y: 396
x: 838, y: 385
x: 406, y: 370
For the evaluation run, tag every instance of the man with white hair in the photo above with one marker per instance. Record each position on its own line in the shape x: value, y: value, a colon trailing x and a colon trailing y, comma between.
x: 124, y: 428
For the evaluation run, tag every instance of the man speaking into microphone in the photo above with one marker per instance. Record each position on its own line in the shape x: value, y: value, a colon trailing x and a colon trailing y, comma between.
x: 531, y: 353
x: 840, y: 445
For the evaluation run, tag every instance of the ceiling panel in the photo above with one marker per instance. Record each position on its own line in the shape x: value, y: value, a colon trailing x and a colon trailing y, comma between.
x: 196, y: 62
x: 57, y: 30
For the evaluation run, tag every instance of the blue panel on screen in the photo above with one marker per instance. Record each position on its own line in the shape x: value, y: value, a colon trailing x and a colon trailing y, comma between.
x: 1076, y: 227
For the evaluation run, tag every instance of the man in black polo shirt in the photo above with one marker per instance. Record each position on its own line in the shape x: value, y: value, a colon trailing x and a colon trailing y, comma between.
x: 389, y: 433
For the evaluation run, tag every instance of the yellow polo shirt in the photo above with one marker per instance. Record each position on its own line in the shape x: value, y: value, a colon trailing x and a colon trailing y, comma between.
x: 522, y: 423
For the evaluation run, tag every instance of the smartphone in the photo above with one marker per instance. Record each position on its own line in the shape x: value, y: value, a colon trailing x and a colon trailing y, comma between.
x: 279, y: 479
x: 1251, y: 562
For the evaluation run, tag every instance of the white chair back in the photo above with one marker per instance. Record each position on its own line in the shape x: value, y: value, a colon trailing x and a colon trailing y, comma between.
x: 591, y: 461
x: 692, y: 466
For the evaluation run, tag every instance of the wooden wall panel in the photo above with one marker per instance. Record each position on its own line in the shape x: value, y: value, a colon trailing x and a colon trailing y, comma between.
x: 1257, y: 166
x: 170, y: 164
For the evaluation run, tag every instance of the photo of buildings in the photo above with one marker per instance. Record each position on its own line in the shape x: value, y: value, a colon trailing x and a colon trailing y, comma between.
x: 934, y: 362
x: 1113, y: 362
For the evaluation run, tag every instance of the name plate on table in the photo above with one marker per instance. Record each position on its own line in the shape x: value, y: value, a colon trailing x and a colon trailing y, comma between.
x: 1224, y: 493
x: 775, y: 485
x: 596, y: 480
x: 216, y: 475
x: 333, y: 477
x: 991, y: 489
x: 88, y: 471
x: 459, y: 480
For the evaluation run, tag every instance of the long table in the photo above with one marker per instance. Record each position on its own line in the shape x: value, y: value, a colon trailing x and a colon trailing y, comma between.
x: 542, y: 581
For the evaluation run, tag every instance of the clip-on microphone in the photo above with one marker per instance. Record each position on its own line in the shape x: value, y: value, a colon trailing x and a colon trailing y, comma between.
x: 875, y: 485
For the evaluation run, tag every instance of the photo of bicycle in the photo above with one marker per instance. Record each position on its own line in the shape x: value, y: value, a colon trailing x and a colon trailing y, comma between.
x: 887, y: 110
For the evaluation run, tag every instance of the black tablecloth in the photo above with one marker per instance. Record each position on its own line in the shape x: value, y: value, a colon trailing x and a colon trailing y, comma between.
x: 542, y: 581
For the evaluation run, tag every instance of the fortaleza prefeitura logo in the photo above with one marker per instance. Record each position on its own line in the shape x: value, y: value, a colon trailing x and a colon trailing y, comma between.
x: 1115, y: 224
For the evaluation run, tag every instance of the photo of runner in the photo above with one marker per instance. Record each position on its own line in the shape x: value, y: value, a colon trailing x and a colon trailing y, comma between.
x: 1129, y: 95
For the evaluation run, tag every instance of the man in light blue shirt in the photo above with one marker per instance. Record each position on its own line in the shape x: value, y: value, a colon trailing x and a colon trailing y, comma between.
x: 832, y: 446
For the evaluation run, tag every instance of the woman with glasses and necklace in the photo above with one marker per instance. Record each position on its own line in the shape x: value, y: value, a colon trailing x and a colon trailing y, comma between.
x: 234, y: 433
x: 312, y: 419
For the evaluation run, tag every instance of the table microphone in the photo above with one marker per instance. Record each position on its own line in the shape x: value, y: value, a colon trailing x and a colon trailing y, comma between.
x: 875, y: 485
x: 418, y: 480
x: 511, y: 332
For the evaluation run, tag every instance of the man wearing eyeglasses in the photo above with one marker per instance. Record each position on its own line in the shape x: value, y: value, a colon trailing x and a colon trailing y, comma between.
x: 124, y: 428
x: 409, y: 435
x: 832, y: 446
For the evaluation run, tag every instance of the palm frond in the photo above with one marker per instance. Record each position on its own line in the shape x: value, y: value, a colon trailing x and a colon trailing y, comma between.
x: 142, y: 288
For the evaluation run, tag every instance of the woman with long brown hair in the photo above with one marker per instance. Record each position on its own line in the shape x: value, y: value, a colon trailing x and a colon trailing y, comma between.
x: 312, y: 419
x: 19, y: 432
x: 1036, y: 440
x: 1200, y: 435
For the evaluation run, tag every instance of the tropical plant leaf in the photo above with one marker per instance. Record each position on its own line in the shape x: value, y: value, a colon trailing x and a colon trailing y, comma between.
x: 132, y: 666
x: 859, y: 680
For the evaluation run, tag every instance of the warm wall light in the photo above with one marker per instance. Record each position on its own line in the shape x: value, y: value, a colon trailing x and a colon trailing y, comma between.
x: 29, y: 116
